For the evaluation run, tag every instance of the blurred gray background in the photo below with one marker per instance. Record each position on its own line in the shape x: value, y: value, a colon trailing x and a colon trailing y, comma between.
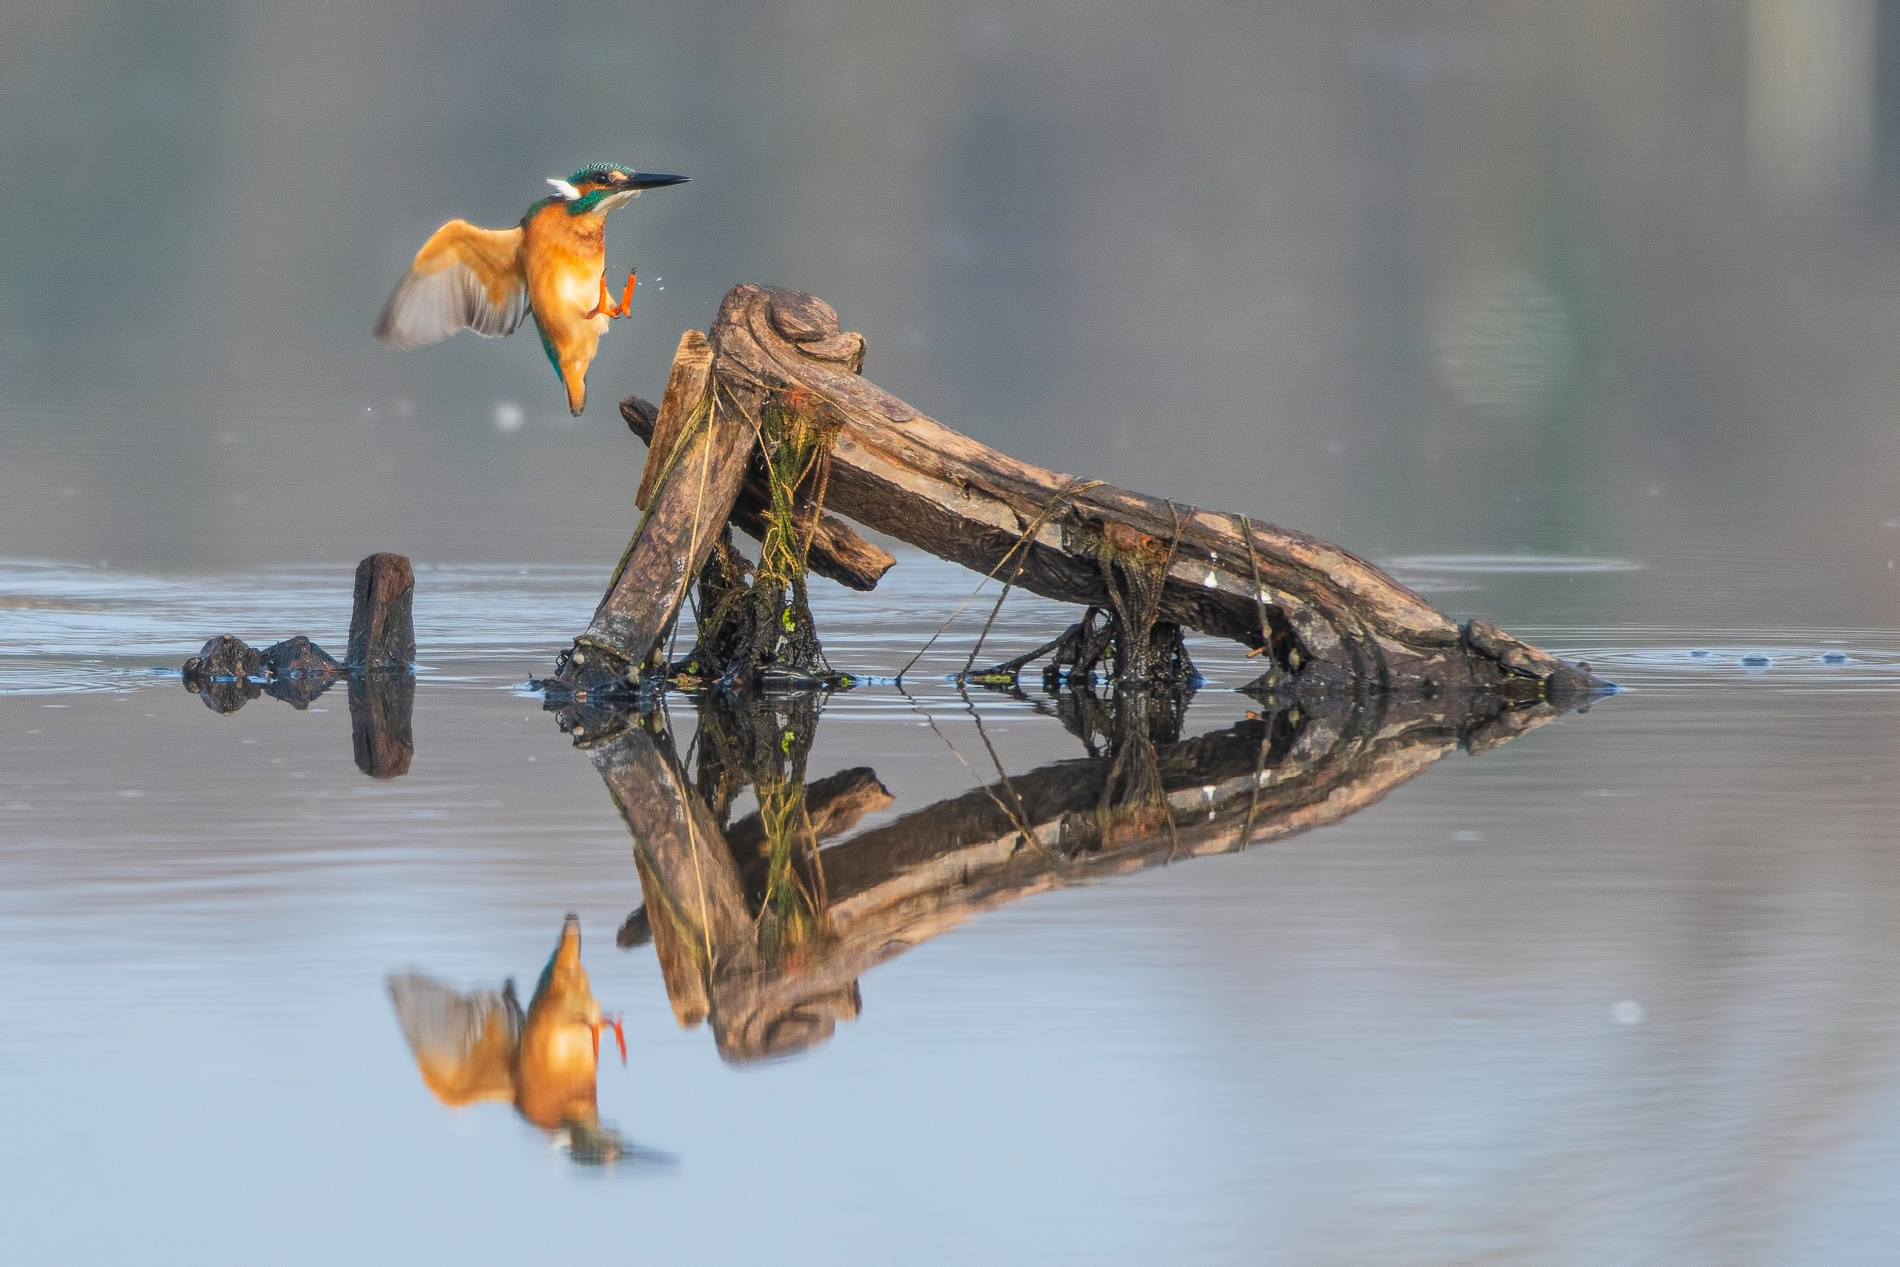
x: 1617, y: 279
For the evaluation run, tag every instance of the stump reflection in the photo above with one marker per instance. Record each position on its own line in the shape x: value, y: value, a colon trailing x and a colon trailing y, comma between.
x: 763, y: 928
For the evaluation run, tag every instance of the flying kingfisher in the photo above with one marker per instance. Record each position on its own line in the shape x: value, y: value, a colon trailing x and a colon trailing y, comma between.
x: 553, y: 264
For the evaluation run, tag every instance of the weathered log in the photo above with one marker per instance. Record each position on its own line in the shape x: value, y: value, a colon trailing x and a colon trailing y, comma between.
x: 1323, y: 613
x: 837, y: 552
x: 382, y: 616
x: 686, y: 386
x: 690, y: 489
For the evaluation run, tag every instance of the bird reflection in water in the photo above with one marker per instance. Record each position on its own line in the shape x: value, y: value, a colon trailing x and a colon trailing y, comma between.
x: 481, y: 1046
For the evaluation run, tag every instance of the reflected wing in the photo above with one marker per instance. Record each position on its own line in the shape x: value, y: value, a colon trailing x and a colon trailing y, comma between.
x: 464, y: 278
x: 464, y: 1044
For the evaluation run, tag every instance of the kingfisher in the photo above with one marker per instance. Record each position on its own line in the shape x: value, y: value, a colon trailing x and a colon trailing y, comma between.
x: 482, y: 1046
x: 553, y: 264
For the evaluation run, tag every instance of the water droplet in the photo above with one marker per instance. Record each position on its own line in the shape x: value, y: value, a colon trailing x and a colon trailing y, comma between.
x: 1628, y: 1012
x: 1700, y: 652
x: 508, y: 417
x: 1833, y: 657
x: 1756, y: 660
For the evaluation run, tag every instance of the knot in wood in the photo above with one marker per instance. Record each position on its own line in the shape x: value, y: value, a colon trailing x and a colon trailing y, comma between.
x: 1125, y: 539
x: 801, y: 318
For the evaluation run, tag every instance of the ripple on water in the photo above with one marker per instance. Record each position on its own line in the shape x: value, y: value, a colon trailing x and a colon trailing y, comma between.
x: 1453, y: 573
x: 1526, y: 564
x: 70, y: 627
x: 1788, y: 659
x: 67, y: 626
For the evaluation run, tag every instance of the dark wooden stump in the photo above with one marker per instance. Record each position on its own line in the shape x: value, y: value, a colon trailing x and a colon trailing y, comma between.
x: 382, y: 620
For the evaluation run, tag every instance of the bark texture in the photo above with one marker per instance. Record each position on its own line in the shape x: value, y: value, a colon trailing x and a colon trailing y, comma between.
x: 382, y: 618
x: 689, y: 495
x: 1317, y: 612
x: 837, y: 552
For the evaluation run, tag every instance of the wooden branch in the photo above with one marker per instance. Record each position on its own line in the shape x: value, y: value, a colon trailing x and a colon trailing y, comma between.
x: 1327, y: 614
x: 837, y: 553
x: 690, y: 489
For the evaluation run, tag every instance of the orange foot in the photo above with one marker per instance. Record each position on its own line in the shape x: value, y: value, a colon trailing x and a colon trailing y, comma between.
x: 606, y: 305
x: 620, y: 1037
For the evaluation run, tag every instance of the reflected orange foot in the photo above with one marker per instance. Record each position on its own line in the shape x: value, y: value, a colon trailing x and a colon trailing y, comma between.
x: 620, y: 1037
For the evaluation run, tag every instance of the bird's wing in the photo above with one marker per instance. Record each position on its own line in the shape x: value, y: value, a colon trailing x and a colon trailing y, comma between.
x: 463, y: 278
x: 464, y: 1044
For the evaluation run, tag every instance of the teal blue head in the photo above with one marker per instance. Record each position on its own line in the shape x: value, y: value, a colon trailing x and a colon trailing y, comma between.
x: 604, y: 186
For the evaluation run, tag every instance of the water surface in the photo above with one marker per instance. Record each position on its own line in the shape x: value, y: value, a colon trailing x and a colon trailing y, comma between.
x: 1613, y: 990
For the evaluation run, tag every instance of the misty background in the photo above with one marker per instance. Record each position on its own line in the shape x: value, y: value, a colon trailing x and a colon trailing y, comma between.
x: 1609, y: 279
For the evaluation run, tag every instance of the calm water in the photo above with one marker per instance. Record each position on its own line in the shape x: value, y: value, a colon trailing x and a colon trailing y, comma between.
x: 1579, y: 317
x: 1614, y: 991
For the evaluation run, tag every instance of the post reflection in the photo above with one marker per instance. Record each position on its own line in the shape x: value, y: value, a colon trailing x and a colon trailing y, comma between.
x: 763, y: 927
x: 481, y: 1046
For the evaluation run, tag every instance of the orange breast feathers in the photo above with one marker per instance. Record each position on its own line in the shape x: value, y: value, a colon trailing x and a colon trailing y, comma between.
x: 566, y: 256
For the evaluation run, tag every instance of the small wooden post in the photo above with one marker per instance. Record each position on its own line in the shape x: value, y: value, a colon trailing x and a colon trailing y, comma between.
x: 382, y: 620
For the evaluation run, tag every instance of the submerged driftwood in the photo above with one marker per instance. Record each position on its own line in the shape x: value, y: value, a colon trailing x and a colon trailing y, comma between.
x: 1143, y: 568
x: 1144, y: 800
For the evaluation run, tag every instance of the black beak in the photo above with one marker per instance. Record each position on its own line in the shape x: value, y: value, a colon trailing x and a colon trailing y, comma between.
x: 655, y: 180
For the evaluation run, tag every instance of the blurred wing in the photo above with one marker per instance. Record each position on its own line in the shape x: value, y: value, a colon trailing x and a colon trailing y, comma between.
x: 464, y: 1044
x: 464, y: 278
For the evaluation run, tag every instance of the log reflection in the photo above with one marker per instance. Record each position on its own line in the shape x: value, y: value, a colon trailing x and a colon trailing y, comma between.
x: 763, y: 929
